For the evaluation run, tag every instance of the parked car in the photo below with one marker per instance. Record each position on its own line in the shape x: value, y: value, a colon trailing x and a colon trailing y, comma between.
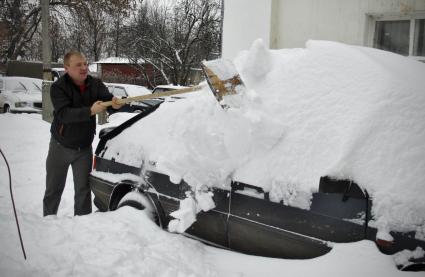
x: 57, y: 72
x: 244, y: 218
x: 163, y: 88
x: 127, y: 90
x: 20, y: 94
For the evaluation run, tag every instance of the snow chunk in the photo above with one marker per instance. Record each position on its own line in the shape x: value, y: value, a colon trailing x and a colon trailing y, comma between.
x: 185, y: 216
x: 403, y: 258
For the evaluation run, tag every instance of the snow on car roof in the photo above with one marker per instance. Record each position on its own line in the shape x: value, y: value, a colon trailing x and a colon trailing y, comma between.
x: 328, y: 109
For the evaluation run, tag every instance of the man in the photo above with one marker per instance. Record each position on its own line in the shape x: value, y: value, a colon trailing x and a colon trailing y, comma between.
x: 76, y: 99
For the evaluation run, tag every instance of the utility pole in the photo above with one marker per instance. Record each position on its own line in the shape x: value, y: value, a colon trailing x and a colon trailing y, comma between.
x: 47, y: 113
x: 221, y: 28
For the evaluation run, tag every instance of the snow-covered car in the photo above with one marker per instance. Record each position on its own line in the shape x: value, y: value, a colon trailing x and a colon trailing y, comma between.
x: 244, y: 218
x: 20, y: 94
x: 325, y: 148
x: 128, y: 90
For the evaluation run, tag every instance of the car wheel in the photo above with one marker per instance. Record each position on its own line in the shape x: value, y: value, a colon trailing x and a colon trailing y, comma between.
x: 141, y: 201
x: 6, y: 109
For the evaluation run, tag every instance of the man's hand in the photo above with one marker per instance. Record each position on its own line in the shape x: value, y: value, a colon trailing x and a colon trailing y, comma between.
x: 115, y: 104
x: 97, y: 107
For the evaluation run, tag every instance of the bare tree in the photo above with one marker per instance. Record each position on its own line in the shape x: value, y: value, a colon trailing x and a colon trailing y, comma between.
x: 174, y: 40
x: 86, y: 30
x: 95, y: 19
x: 166, y: 43
x: 21, y: 20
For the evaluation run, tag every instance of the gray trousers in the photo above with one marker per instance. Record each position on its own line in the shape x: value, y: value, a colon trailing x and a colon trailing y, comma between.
x: 58, y: 161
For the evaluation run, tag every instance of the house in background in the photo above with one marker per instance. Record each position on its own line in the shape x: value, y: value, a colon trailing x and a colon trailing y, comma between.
x: 122, y: 70
x: 393, y: 25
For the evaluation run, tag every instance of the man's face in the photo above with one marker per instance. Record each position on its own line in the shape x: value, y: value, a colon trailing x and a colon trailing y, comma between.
x: 77, y: 69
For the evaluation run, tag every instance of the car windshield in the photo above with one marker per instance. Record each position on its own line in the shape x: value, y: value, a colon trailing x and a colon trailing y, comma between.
x: 32, y: 86
x: 15, y: 86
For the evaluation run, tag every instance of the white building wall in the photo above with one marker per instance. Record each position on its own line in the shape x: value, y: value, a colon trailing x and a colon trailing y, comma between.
x: 338, y: 20
x: 290, y: 23
x: 244, y: 21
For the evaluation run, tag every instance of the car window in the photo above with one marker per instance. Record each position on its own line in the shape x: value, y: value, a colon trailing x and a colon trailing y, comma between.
x: 119, y: 92
x: 111, y: 89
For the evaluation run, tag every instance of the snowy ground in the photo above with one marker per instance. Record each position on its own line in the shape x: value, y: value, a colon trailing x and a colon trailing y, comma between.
x: 327, y: 109
x: 125, y: 242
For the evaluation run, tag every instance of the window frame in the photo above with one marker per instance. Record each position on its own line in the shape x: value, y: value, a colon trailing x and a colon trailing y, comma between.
x: 372, y: 18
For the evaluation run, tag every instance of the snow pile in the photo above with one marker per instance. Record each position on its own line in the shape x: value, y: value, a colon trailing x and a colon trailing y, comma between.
x: 329, y: 109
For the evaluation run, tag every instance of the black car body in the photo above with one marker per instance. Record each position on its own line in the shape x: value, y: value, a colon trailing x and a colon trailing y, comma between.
x: 246, y: 220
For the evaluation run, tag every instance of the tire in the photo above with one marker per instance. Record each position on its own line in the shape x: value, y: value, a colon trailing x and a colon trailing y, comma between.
x: 6, y: 109
x: 141, y: 201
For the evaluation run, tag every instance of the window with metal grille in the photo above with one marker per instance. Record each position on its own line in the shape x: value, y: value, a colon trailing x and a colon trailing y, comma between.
x: 403, y: 34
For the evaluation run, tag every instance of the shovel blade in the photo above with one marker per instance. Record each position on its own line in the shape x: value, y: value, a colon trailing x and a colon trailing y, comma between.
x: 224, y: 81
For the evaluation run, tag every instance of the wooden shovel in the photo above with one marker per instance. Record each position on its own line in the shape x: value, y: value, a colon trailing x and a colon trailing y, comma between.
x: 152, y: 96
x: 222, y: 78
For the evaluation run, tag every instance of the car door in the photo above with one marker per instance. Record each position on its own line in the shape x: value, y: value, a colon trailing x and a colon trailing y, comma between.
x: 259, y: 226
x: 210, y: 226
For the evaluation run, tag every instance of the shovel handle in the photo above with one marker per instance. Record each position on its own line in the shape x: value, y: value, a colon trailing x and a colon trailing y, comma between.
x: 152, y: 96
